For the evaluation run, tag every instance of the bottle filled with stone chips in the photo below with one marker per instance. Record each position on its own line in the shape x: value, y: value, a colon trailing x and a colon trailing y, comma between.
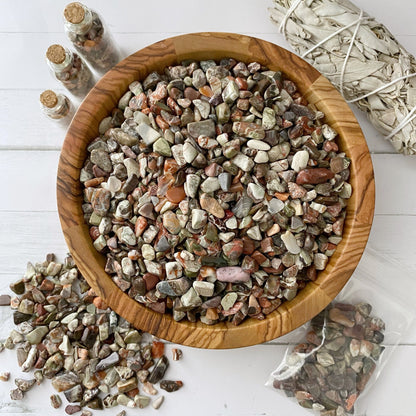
x: 343, y: 349
x: 90, y: 37
x: 70, y: 70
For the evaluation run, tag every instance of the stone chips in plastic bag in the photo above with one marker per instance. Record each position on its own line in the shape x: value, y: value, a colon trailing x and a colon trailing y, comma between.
x: 344, y: 348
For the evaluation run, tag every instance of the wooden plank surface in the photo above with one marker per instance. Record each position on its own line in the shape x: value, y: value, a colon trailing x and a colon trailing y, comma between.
x: 28, y: 177
x: 38, y: 132
x: 23, y: 238
x: 19, y: 91
x: 183, y: 15
x: 26, y: 241
x: 30, y: 227
x: 244, y: 371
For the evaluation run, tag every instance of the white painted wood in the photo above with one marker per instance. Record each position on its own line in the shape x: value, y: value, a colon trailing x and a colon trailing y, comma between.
x: 395, y: 177
x: 20, y: 91
x: 178, y: 16
x: 23, y: 239
x: 29, y: 179
x: 390, y: 236
x: 182, y: 15
x: 27, y: 48
x: 223, y: 383
x: 39, y: 132
x: 27, y: 236
x: 34, y: 174
x: 230, y: 383
x: 34, y: 45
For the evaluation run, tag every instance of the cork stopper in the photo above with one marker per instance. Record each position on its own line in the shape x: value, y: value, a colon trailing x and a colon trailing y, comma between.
x: 74, y: 13
x: 56, y: 54
x: 49, y: 99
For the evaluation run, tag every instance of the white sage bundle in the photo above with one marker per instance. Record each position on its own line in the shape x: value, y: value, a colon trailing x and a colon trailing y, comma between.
x: 360, y: 57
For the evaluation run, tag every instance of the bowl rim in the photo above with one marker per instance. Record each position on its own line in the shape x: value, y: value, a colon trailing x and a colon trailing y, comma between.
x: 316, y: 89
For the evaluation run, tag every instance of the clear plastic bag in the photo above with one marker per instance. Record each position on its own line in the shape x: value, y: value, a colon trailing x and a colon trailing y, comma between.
x: 342, y: 350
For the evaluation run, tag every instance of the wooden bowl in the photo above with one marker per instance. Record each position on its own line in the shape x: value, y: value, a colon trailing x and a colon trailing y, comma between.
x: 316, y: 89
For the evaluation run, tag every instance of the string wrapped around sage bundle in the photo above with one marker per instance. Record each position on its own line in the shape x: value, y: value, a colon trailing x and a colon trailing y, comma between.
x: 360, y: 57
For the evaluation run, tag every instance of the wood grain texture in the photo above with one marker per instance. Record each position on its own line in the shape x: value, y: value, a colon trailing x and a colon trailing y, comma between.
x: 34, y: 172
x: 16, y: 87
x: 316, y: 88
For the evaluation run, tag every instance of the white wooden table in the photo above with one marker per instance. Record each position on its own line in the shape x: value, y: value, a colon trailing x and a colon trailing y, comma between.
x: 216, y: 382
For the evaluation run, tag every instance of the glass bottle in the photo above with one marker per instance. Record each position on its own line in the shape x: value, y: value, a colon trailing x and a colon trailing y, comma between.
x: 90, y: 37
x: 56, y: 106
x: 70, y: 70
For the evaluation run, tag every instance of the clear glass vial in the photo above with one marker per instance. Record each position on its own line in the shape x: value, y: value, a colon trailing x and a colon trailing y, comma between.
x: 70, y: 70
x: 56, y: 106
x: 90, y: 37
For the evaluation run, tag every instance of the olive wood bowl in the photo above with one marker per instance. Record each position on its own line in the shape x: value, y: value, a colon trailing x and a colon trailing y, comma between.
x: 316, y: 89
